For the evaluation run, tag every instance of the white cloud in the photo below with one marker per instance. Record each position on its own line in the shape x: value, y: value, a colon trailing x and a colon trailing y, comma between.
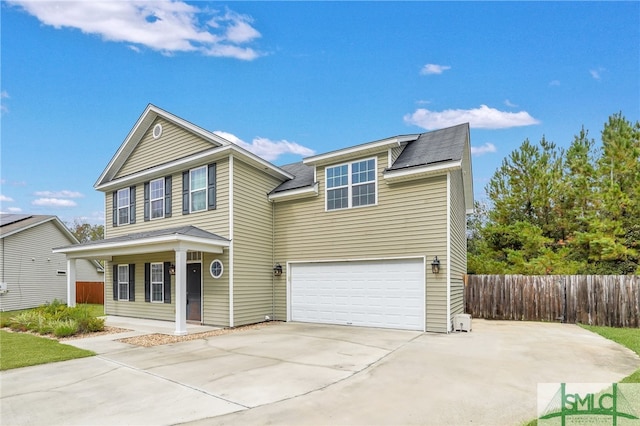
x: 59, y: 194
x: 266, y: 148
x: 597, y: 73
x: 434, y: 69
x: 484, y: 149
x: 6, y: 199
x: 510, y: 104
x: 14, y: 209
x: 54, y: 202
x: 162, y: 25
x: 479, y: 118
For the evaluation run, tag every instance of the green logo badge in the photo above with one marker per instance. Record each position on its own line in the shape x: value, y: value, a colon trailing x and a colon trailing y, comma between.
x: 589, y: 404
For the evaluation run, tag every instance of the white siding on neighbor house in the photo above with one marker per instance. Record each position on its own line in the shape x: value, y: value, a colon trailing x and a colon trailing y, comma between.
x: 30, y: 268
x: 252, y: 244
x: 408, y: 220
x: 458, y: 243
x: 174, y: 143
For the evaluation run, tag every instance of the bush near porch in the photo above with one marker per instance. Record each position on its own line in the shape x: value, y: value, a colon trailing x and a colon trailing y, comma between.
x: 56, y: 319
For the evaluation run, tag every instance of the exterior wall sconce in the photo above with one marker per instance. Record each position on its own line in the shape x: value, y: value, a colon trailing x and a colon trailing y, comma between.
x: 172, y: 269
x: 277, y: 270
x: 435, y: 265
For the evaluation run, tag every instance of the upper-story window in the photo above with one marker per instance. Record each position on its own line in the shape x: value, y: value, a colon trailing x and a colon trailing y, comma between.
x: 199, y: 189
x: 156, y: 192
x: 157, y: 198
x: 123, y: 206
x: 351, y: 185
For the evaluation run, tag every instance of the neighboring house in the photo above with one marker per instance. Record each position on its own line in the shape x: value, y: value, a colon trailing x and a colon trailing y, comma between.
x: 31, y: 274
x: 199, y: 229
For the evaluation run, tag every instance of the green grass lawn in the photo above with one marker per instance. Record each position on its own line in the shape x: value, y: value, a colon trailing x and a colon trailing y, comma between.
x: 22, y: 350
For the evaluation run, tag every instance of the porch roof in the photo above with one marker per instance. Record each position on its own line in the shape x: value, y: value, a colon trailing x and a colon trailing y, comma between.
x: 188, y: 238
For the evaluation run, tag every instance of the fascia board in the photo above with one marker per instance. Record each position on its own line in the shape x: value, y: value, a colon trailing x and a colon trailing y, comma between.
x: 293, y: 194
x: 359, y: 149
x: 417, y: 172
x: 144, y: 245
x: 150, y: 113
x: 195, y: 159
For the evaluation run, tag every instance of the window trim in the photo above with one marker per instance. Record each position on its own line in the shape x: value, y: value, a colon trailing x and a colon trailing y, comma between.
x: 119, y: 207
x: 350, y: 184
x: 156, y: 282
x: 211, y: 269
x: 204, y: 189
x: 162, y: 198
x: 120, y: 283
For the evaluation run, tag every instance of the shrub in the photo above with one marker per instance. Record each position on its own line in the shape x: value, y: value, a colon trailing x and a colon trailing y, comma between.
x: 64, y: 328
x: 24, y: 321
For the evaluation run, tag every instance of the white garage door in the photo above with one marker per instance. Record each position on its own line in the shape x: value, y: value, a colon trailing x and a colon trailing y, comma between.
x: 381, y: 293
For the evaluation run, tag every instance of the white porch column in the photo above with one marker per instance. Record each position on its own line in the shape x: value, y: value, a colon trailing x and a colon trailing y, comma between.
x: 71, y: 282
x: 181, y: 292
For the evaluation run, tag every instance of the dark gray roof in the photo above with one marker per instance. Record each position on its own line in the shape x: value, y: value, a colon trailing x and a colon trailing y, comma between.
x: 188, y: 230
x: 303, y: 177
x: 8, y: 219
x: 429, y: 148
x: 434, y: 147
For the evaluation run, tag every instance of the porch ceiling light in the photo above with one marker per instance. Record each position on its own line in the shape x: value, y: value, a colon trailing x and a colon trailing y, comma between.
x: 172, y: 269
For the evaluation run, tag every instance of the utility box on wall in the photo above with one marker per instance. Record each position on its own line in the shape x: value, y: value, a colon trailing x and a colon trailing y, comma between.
x: 462, y: 322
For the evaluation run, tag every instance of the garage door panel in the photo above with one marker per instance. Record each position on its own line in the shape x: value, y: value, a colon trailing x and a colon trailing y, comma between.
x: 384, y: 293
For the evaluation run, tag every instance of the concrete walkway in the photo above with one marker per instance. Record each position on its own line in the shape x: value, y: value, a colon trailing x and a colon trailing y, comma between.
x: 305, y: 374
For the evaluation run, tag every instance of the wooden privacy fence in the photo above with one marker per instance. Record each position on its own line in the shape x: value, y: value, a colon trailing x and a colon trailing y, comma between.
x: 609, y: 300
x: 90, y: 292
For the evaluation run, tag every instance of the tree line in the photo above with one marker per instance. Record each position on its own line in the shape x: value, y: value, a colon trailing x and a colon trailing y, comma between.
x: 562, y: 211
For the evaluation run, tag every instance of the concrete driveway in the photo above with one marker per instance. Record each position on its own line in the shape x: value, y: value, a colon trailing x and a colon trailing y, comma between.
x: 305, y: 374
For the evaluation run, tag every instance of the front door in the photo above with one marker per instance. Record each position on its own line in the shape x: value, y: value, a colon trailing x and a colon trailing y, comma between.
x: 194, y: 292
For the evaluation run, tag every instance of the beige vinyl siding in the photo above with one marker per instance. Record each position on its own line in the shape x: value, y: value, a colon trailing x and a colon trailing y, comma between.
x: 174, y: 143
x: 458, y: 243
x: 252, y: 244
x: 215, y: 292
x: 139, y: 308
x: 30, y: 268
x: 216, y: 221
x: 408, y: 220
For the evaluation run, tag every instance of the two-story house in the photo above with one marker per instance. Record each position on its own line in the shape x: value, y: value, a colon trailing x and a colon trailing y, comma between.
x: 199, y: 229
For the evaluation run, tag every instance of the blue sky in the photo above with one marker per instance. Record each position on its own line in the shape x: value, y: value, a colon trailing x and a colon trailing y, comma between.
x: 288, y: 79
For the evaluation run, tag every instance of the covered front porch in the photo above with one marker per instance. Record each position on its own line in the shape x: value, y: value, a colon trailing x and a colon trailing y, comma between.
x: 180, y: 241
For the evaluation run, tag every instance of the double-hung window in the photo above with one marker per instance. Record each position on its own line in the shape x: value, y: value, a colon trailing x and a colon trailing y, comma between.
x: 123, y: 282
x: 157, y: 282
x: 351, y: 185
x: 124, y: 202
x: 156, y: 195
x: 198, y: 189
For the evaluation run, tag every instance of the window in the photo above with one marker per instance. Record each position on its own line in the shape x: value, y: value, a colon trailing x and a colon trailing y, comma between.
x: 123, y: 282
x: 156, y: 194
x: 216, y: 269
x: 198, y: 189
x: 123, y: 206
x: 351, y: 185
x: 157, y: 282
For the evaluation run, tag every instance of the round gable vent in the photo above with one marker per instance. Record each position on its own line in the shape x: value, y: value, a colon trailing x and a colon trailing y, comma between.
x: 157, y: 131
